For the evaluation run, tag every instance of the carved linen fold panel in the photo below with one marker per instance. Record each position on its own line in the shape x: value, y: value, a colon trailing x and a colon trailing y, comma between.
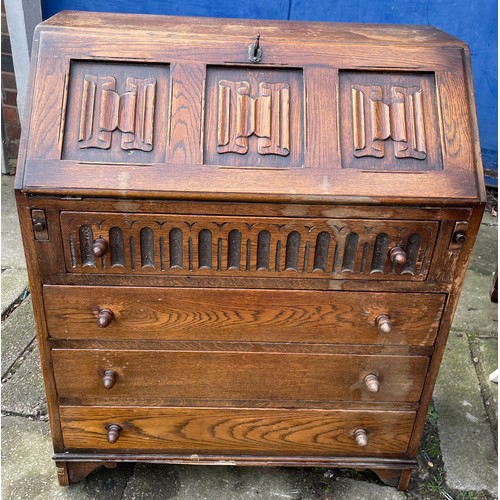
x: 375, y: 121
x: 103, y: 111
x: 241, y: 116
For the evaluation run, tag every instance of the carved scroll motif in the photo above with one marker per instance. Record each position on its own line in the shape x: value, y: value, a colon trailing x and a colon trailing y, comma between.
x: 375, y: 121
x: 241, y: 116
x: 104, y: 110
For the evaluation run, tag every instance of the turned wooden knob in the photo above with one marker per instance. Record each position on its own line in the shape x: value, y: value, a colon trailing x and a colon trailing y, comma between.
x: 383, y: 323
x: 361, y: 437
x: 397, y: 255
x: 113, y: 433
x: 459, y: 237
x: 99, y: 247
x: 371, y: 382
x: 109, y: 379
x: 104, y: 318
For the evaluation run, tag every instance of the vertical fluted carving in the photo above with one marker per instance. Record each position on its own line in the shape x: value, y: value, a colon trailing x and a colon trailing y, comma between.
x: 234, y: 249
x: 175, y: 248
x: 86, y: 242
x: 162, y: 253
x: 263, y: 248
x: 116, y: 247
x: 380, y: 253
x: 292, y: 251
x: 205, y: 249
x: 350, y: 252
x: 72, y: 250
x: 132, y: 252
x: 147, y: 247
x: 321, y: 251
x: 412, y: 250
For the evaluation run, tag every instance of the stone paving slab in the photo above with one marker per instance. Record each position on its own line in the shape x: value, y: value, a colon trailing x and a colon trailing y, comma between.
x: 485, y: 253
x: 18, y: 332
x: 349, y: 489
x: 488, y: 356
x: 12, y: 247
x: 23, y: 393
x: 475, y: 313
x: 184, y: 482
x: 28, y: 472
x: 14, y: 282
x: 467, y: 444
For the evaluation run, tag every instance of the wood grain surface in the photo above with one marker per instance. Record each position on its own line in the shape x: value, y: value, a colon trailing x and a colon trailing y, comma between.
x: 212, y: 430
x: 242, y: 315
x: 155, y: 376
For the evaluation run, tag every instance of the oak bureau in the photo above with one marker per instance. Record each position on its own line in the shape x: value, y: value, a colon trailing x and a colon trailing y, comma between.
x: 245, y: 239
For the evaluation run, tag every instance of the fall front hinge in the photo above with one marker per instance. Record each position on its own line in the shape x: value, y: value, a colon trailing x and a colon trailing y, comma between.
x: 40, y: 225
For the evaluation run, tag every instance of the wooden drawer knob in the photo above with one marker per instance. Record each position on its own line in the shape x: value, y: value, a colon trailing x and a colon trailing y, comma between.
x: 372, y: 383
x: 109, y: 379
x: 397, y: 256
x: 104, y: 318
x: 99, y: 247
x: 113, y: 433
x: 383, y: 323
x: 361, y: 437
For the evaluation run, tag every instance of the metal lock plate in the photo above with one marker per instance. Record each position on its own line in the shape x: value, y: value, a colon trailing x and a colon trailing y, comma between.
x: 459, y: 235
x: 40, y: 225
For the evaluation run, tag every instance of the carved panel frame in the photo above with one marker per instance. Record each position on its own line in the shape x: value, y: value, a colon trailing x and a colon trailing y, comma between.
x: 389, y: 121
x: 254, y: 117
x: 118, y: 110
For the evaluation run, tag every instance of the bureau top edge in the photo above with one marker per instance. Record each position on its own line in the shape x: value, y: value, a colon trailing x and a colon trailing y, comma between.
x: 306, y: 32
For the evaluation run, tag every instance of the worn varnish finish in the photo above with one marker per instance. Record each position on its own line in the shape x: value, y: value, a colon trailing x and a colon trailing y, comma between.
x: 243, y: 315
x: 240, y: 261
x: 254, y: 432
x: 154, y: 376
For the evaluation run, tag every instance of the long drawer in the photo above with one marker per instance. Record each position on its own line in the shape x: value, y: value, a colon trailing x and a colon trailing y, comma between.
x: 243, y: 315
x: 111, y: 243
x: 237, y: 431
x: 157, y: 377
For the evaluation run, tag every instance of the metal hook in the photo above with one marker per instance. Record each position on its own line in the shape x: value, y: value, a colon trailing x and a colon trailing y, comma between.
x: 255, y: 50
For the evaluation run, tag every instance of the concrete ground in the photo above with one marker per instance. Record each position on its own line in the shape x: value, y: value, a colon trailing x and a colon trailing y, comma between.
x: 465, y: 402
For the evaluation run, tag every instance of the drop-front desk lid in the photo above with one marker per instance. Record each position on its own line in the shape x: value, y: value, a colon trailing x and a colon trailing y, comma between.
x: 198, y: 108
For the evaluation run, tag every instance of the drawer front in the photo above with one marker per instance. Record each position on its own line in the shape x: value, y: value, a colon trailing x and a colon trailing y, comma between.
x: 236, y: 431
x: 163, y: 377
x: 241, y: 246
x: 243, y: 315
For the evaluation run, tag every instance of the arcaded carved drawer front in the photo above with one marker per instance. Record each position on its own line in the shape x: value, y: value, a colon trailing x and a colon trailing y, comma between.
x: 242, y: 315
x: 227, y: 431
x: 238, y: 246
x: 160, y: 377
